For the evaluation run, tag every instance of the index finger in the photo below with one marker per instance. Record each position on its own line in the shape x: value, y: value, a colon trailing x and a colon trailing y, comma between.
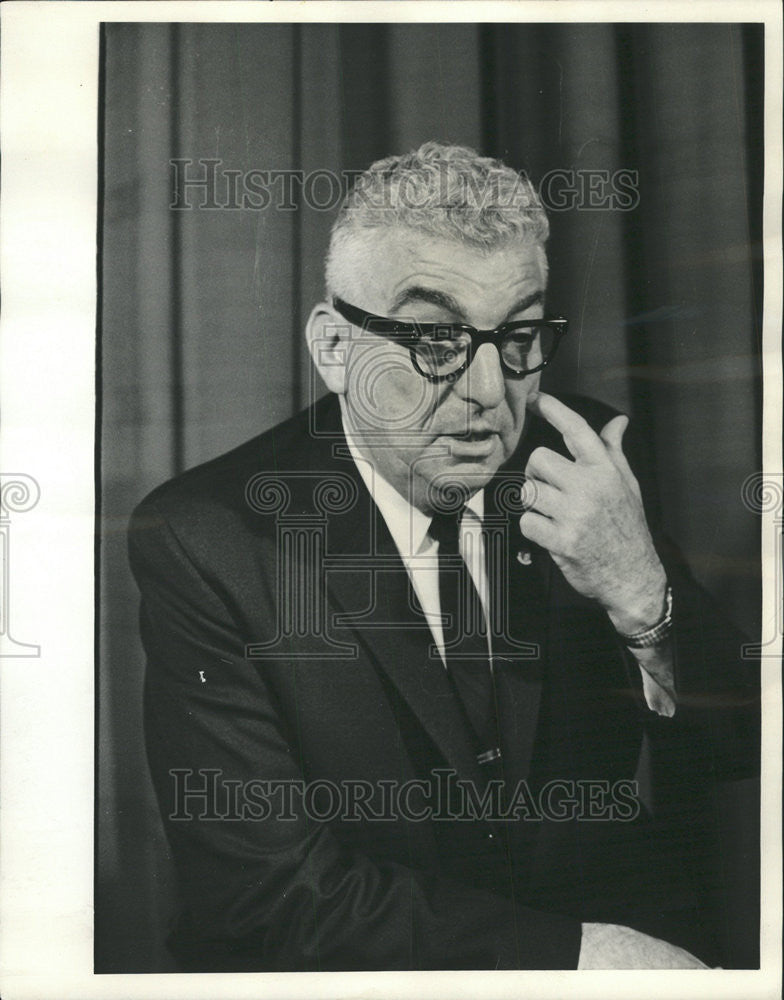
x: 579, y: 437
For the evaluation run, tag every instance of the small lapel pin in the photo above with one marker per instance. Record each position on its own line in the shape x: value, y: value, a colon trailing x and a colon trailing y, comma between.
x: 524, y: 557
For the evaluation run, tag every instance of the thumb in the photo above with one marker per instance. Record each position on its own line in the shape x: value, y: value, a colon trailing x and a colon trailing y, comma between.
x: 613, y: 431
x: 612, y: 435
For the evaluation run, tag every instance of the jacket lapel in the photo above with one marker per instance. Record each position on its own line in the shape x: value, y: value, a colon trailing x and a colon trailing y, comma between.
x: 368, y: 586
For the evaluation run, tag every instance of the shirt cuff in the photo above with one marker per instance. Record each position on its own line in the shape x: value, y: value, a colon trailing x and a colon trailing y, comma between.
x: 658, y: 677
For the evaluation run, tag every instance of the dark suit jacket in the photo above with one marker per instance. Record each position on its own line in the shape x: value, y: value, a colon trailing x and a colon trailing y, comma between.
x: 283, y: 645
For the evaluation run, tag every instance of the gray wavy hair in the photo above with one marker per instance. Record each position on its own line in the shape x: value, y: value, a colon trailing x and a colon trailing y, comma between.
x: 449, y: 192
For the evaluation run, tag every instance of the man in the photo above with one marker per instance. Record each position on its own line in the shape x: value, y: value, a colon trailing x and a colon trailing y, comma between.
x: 405, y: 650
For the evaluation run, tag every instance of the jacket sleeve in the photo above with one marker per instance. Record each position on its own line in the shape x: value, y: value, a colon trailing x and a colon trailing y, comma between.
x: 703, y: 762
x: 716, y: 680
x: 283, y: 894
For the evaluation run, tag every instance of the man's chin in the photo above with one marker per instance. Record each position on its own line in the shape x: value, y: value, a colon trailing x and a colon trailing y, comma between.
x: 454, y: 484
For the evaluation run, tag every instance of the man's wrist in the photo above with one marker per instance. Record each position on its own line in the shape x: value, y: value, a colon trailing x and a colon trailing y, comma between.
x: 654, y: 634
x: 645, y: 612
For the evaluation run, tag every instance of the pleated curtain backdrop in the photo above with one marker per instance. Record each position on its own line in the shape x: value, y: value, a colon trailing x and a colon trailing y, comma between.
x: 201, y: 340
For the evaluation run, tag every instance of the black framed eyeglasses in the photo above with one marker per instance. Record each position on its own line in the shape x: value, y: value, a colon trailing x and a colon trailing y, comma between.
x: 441, y: 352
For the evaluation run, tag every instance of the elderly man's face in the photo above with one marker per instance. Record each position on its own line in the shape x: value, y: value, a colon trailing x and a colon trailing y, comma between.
x: 421, y: 436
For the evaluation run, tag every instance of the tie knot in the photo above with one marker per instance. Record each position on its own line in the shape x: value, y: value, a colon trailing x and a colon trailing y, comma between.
x: 445, y: 529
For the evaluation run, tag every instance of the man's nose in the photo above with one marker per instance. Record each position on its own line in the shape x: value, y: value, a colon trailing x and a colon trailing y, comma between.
x: 483, y: 380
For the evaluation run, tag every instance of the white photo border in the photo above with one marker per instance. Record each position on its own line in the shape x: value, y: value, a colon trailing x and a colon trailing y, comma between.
x: 49, y: 108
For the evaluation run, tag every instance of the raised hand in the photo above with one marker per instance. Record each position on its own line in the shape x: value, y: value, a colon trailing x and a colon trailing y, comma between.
x: 588, y: 513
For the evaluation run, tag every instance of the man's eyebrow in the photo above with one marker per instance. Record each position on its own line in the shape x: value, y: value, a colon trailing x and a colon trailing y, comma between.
x: 534, y: 299
x: 418, y: 293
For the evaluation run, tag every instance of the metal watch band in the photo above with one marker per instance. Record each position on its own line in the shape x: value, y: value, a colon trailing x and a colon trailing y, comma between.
x: 656, y: 633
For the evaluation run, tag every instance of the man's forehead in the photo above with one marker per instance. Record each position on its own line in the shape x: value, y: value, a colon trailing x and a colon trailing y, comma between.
x: 400, y: 261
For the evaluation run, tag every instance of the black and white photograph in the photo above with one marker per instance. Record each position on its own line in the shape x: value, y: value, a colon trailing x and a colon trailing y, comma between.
x: 434, y: 482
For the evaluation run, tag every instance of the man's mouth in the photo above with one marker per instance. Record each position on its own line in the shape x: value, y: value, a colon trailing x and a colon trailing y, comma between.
x: 475, y: 444
x: 474, y: 435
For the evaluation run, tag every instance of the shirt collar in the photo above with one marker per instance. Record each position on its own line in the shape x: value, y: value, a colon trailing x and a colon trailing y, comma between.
x: 407, y: 525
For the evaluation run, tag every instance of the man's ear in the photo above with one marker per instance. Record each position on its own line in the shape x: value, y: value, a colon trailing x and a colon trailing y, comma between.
x: 328, y: 342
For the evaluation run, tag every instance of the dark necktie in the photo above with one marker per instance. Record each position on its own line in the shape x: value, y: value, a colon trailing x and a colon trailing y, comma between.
x: 465, y: 636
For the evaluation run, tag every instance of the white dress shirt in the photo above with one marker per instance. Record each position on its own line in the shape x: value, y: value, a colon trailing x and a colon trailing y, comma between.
x: 410, y: 531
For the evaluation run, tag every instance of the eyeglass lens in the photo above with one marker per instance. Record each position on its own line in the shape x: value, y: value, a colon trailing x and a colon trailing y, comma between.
x: 521, y: 350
